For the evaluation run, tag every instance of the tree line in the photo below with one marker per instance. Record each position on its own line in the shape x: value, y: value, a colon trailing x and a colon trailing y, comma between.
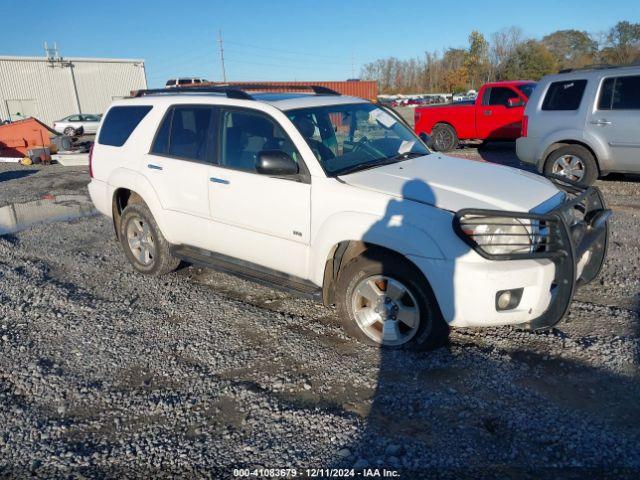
x: 507, y: 55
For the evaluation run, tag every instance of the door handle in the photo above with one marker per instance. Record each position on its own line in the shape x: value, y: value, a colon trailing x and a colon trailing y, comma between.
x: 154, y: 167
x: 601, y: 122
x: 219, y: 180
x: 487, y: 112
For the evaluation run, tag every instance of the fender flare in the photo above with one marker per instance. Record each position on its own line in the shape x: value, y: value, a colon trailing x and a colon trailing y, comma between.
x: 405, y: 238
x: 137, y: 183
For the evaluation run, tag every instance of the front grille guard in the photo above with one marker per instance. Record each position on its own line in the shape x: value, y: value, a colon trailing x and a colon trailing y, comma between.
x: 565, y: 234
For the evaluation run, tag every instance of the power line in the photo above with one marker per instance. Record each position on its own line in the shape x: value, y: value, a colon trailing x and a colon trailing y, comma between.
x: 282, y: 59
x: 290, y: 52
x: 294, y: 67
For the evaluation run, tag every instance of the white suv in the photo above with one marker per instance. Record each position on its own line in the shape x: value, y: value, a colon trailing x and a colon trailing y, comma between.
x: 334, y: 197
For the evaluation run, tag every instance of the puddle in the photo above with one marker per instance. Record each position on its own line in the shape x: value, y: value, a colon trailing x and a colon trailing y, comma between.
x: 59, y: 208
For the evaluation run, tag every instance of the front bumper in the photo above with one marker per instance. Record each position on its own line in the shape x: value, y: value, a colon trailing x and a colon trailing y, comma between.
x: 465, y: 288
x: 586, y: 243
x: 576, y: 246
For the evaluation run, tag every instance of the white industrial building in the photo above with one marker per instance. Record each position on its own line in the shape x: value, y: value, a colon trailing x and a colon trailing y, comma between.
x: 52, y: 88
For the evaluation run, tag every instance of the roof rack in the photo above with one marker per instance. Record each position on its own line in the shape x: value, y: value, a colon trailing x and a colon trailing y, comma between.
x: 317, y: 89
x: 231, y: 92
x: 597, y: 66
x: 234, y: 91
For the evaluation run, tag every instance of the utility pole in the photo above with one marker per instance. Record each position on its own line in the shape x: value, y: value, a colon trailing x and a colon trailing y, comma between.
x: 56, y: 60
x: 224, y: 74
x: 353, y: 65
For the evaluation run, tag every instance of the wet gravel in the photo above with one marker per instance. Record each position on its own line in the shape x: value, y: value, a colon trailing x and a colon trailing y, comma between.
x: 108, y: 374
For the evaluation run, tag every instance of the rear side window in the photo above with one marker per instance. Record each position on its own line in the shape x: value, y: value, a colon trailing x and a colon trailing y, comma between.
x: 120, y: 122
x: 620, y: 93
x: 565, y: 95
x: 161, y: 143
x: 499, y: 96
x: 185, y: 133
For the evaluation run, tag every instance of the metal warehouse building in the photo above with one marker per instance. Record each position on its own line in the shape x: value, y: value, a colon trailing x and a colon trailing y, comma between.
x: 50, y: 89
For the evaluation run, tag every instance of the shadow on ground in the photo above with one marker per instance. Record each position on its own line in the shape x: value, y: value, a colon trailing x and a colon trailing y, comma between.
x: 15, y: 174
x: 476, y: 410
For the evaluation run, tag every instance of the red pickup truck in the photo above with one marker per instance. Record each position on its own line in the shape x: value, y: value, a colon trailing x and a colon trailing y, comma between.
x: 496, y: 114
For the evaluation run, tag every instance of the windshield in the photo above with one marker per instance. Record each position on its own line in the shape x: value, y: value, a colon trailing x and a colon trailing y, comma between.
x: 527, y: 89
x: 348, y: 138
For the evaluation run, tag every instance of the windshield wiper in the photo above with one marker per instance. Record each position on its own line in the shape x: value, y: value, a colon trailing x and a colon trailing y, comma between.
x: 407, y: 155
x: 378, y: 163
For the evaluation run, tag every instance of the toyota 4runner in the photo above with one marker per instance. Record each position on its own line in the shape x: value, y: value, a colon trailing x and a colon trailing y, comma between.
x: 335, y: 198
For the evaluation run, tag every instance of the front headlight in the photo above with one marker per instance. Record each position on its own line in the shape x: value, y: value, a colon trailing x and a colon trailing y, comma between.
x: 500, y: 235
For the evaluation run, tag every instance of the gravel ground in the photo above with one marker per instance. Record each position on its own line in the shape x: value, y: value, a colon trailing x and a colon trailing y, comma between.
x: 105, y: 373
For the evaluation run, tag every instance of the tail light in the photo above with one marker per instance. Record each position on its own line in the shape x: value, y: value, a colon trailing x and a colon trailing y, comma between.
x: 91, y: 161
x: 525, y: 126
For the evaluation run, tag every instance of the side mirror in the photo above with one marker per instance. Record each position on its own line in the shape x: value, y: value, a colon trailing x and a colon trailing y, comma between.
x: 515, y: 102
x: 275, y: 162
x: 426, y: 139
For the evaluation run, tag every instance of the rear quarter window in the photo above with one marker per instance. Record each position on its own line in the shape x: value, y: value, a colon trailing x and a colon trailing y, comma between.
x: 120, y: 122
x: 565, y: 95
x: 620, y: 93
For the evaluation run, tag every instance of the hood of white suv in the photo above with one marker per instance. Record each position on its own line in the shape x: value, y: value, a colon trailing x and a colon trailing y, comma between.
x: 453, y: 183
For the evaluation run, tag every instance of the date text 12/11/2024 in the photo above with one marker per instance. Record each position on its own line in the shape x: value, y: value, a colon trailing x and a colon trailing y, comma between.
x: 316, y: 473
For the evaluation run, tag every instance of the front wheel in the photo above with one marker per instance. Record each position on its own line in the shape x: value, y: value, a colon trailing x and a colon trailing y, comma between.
x: 573, y: 162
x: 144, y: 245
x: 384, y: 301
x: 69, y: 131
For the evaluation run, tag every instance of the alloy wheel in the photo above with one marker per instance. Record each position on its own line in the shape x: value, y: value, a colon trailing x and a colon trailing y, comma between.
x: 386, y: 310
x: 140, y: 241
x: 443, y: 139
x: 569, y: 166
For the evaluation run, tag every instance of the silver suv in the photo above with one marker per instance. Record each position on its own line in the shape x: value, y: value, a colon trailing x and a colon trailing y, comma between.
x: 582, y: 124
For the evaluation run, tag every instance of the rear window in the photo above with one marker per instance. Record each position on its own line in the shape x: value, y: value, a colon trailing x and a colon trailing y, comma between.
x: 500, y: 96
x: 620, y: 93
x: 185, y: 133
x: 120, y: 122
x: 565, y: 95
x: 527, y: 89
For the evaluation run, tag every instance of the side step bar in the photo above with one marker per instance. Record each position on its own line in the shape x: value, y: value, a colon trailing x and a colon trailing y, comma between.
x: 248, y: 271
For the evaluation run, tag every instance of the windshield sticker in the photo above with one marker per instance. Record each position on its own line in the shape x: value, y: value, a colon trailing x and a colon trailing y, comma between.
x: 382, y: 117
x: 406, y: 146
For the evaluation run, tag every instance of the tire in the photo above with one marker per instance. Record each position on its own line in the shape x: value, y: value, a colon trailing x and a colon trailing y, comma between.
x: 373, y: 269
x: 69, y: 131
x: 444, y: 138
x: 153, y: 256
x: 574, y: 162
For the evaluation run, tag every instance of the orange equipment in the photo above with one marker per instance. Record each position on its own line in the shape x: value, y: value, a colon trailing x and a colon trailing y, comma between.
x: 18, y: 137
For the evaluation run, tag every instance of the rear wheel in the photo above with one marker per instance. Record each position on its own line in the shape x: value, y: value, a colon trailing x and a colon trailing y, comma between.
x: 384, y: 301
x: 573, y: 162
x: 444, y: 138
x: 143, y: 243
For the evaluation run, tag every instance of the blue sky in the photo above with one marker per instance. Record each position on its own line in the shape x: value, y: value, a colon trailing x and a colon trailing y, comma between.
x: 282, y: 40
